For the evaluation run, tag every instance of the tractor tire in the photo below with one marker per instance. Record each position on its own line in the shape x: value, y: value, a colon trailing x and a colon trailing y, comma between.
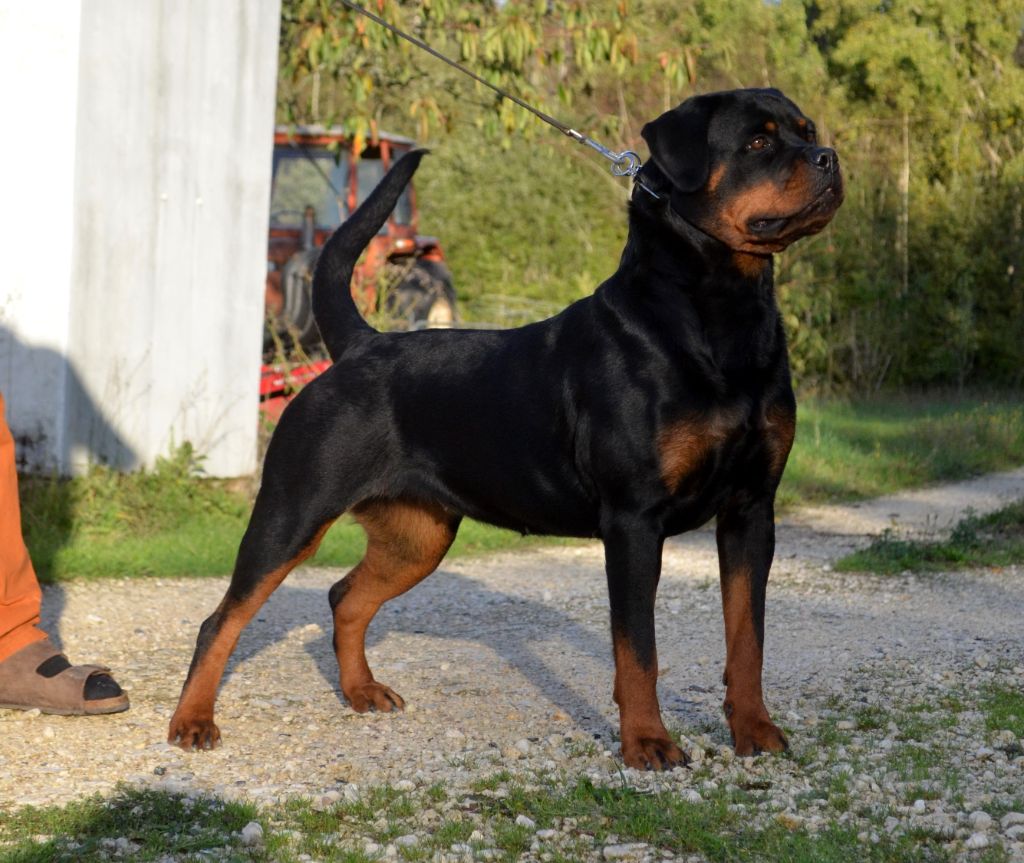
x: 425, y: 298
x: 295, y: 327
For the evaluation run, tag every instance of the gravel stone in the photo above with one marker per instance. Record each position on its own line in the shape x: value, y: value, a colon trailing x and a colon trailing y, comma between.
x: 980, y: 820
x: 1010, y: 819
x: 252, y: 835
x: 976, y: 841
x: 623, y: 852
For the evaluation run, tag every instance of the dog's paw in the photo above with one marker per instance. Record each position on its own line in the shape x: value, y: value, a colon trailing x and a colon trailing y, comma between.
x: 756, y: 736
x: 192, y: 733
x: 653, y: 753
x: 374, y: 696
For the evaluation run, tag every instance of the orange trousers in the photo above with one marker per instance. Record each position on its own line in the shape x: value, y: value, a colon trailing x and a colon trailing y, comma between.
x: 19, y: 589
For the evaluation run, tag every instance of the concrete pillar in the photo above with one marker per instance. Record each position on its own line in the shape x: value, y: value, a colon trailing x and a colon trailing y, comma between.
x: 133, y: 319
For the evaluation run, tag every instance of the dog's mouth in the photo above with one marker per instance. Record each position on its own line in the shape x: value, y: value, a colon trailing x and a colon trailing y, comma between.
x: 766, y: 227
x: 810, y: 216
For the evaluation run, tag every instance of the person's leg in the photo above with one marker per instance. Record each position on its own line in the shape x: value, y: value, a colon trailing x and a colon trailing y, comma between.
x: 19, y: 589
x: 33, y: 673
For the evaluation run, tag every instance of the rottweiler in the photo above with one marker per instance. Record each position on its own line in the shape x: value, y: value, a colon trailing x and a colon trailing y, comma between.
x: 657, y: 403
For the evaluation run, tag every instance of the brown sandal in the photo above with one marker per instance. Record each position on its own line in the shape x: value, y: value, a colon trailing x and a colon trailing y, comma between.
x: 40, y: 676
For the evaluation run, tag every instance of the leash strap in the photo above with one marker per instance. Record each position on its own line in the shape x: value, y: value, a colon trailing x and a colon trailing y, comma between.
x: 624, y: 164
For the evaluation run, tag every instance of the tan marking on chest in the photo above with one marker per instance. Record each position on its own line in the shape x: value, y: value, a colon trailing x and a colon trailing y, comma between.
x: 684, y: 445
x: 751, y: 266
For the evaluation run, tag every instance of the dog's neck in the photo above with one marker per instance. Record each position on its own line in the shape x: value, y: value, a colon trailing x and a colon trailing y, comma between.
x: 699, y: 280
x: 663, y: 242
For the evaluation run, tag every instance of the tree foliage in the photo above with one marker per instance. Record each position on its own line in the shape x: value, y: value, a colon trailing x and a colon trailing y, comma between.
x: 917, y: 281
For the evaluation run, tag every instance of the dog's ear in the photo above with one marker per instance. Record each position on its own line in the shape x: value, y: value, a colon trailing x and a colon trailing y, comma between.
x: 678, y: 141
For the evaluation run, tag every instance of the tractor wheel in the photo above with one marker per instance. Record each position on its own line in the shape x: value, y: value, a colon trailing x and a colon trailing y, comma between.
x: 425, y: 297
x: 295, y: 326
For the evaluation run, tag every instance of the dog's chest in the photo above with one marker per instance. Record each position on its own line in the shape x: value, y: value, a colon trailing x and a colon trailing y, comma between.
x: 705, y: 448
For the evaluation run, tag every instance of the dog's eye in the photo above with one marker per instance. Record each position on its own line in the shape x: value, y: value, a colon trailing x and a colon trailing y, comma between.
x: 759, y: 143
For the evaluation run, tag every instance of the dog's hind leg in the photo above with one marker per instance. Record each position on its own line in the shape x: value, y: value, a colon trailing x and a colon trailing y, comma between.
x: 406, y: 540
x: 275, y: 542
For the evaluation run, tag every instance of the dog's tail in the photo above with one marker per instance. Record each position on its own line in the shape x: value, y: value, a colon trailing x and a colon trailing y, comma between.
x: 335, y: 311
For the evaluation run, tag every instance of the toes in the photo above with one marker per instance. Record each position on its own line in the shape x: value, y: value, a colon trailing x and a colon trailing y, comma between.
x: 375, y: 696
x: 757, y: 738
x: 194, y: 735
x: 397, y: 702
x: 653, y: 753
x: 386, y: 700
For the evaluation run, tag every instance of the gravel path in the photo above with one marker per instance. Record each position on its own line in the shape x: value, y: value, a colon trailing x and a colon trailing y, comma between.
x: 505, y: 663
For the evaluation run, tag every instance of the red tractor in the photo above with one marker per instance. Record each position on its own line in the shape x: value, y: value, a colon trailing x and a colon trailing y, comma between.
x: 317, y: 183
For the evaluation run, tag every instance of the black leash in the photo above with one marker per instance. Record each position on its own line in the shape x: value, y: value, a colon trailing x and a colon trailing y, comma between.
x: 624, y: 164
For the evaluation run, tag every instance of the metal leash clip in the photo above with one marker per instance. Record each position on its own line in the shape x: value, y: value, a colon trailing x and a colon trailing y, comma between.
x: 624, y: 164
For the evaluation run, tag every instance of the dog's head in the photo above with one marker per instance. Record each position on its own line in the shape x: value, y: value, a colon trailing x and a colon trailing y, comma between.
x: 745, y: 167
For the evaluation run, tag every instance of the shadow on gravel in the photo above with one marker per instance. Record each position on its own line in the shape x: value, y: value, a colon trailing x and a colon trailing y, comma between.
x: 452, y: 607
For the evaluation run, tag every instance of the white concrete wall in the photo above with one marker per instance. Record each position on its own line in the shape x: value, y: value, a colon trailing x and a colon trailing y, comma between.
x: 154, y: 310
x: 39, y: 104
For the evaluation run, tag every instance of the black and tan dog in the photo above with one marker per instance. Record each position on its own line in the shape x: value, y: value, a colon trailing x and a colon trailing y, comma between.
x: 643, y: 411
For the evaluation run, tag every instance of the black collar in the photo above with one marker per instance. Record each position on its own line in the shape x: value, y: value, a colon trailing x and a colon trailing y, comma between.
x: 652, y: 182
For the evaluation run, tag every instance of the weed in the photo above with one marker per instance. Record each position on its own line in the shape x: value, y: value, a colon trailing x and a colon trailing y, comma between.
x: 870, y: 718
x: 915, y: 763
x: 451, y: 832
x: 582, y: 748
x: 1004, y: 709
x: 996, y: 539
x: 511, y: 837
x: 436, y: 793
x: 492, y: 782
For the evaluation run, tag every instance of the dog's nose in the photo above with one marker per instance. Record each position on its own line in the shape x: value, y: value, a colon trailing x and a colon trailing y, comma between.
x: 824, y: 158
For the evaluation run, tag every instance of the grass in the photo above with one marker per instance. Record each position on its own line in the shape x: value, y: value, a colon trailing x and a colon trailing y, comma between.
x: 170, y: 522
x: 1003, y: 708
x: 996, y: 539
x: 859, y: 449
x: 160, y: 825
x: 153, y: 823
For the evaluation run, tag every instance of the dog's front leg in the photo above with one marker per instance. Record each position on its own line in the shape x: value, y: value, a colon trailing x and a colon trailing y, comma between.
x: 746, y: 545
x: 633, y: 563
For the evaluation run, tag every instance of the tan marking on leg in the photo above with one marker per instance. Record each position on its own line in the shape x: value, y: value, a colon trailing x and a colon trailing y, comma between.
x: 749, y: 721
x: 780, y: 430
x: 406, y: 541
x: 192, y: 724
x: 645, y: 741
